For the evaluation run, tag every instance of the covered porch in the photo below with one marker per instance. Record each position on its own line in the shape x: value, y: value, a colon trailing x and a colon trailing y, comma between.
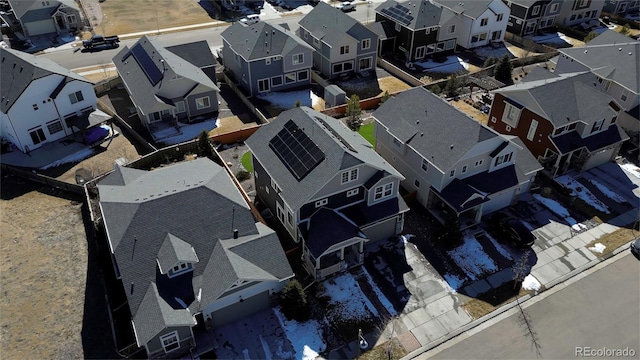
x: 457, y: 201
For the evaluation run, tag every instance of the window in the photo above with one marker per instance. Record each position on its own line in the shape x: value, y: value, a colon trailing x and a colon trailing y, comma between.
x: 496, y: 35
x: 397, y: 144
x: 298, y: 59
x: 420, y: 51
x: 365, y: 64
x: 416, y: 182
x: 554, y: 8
x: 322, y: 202
x: 584, y: 3
x: 464, y: 169
x: 597, y: 126
x: 451, y: 29
x: 479, y: 37
x: 76, y: 97
x: 306, y: 34
x: 383, y: 191
x: 398, y: 27
x: 37, y: 135
x: 499, y: 17
x: 290, y: 78
x: 180, y: 107
x: 507, y: 128
x: 479, y: 162
x: 202, y: 102
x: 303, y: 75
x: 35, y: 106
x: 536, y: 10
x: 530, y: 27
x: 450, y: 44
x: 263, y: 85
x: 511, y: 115
x: 276, y: 81
x: 267, y: 61
x: 54, y: 126
x: 366, y: 44
x: 316, y: 42
x: 349, y: 176
x: 484, y: 22
x: 344, y: 49
x: 452, y: 173
x: 353, y: 192
x: 532, y: 129
x: 71, y: 18
x: 503, y: 159
x: 170, y: 341
x: 493, y: 119
x: 275, y: 186
x: 624, y: 95
x: 425, y: 165
x: 289, y: 218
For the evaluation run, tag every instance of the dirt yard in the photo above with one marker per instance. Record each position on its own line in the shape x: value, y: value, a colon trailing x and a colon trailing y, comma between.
x: 392, y: 85
x: 122, y: 17
x: 471, y: 111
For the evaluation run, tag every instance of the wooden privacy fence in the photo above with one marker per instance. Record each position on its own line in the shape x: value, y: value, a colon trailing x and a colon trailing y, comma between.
x: 42, y: 179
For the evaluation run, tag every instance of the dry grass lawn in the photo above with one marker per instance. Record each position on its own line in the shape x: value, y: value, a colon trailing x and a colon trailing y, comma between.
x: 392, y: 85
x: 614, y: 240
x: 477, y: 308
x: 122, y: 16
x: 471, y: 111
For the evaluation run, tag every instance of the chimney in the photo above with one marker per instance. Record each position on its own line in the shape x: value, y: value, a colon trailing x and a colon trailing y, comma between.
x: 235, y: 233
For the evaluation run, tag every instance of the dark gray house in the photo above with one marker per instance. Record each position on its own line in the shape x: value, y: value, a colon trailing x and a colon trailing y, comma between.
x: 342, y: 45
x: 456, y: 166
x: 188, y: 251
x: 39, y: 17
x: 621, y: 6
x: 163, y: 86
x: 529, y: 16
x: 264, y: 57
x: 327, y: 187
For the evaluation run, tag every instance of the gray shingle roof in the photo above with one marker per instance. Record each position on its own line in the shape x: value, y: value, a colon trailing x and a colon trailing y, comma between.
x: 612, y: 56
x: 174, y: 250
x: 143, y: 92
x: 261, y: 40
x: 472, y: 9
x: 330, y: 24
x: 327, y: 133
x: 197, y: 53
x: 564, y: 99
x: 423, y: 13
x: 436, y: 130
x: 19, y: 69
x: 197, y: 202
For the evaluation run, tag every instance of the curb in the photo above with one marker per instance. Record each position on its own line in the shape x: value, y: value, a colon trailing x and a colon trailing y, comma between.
x: 511, y: 305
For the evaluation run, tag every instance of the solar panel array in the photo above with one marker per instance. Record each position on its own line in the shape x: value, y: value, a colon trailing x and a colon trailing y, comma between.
x: 154, y: 74
x: 296, y: 151
x: 398, y: 13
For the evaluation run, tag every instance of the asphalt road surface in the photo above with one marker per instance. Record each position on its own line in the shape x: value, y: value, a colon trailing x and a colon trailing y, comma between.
x: 596, y: 315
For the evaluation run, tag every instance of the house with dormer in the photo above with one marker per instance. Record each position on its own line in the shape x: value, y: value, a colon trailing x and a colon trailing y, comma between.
x: 566, y: 121
x: 456, y: 167
x: 163, y: 86
x: 615, y: 60
x: 41, y: 101
x: 189, y: 252
x: 475, y: 23
x: 328, y: 188
x: 39, y: 17
x: 341, y: 44
x: 266, y: 57
x: 528, y: 16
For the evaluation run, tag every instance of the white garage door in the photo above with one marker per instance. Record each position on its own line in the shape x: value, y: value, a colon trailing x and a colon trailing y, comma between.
x: 40, y: 27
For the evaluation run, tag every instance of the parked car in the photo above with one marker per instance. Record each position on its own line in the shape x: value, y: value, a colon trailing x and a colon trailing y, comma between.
x: 346, y: 6
x: 511, y: 229
x: 635, y: 247
x: 250, y: 19
x: 101, y: 41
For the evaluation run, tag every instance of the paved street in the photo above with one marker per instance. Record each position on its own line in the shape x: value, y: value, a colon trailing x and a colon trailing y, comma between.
x: 598, y: 310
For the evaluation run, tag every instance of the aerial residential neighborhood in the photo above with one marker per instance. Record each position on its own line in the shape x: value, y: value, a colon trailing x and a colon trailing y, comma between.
x: 292, y: 179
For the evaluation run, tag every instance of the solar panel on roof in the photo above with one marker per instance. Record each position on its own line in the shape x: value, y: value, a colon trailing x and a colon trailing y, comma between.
x: 296, y: 150
x: 147, y: 64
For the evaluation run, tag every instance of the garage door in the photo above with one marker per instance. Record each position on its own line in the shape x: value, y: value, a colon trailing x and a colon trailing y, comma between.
x: 498, y: 202
x: 40, y: 27
x: 240, y: 310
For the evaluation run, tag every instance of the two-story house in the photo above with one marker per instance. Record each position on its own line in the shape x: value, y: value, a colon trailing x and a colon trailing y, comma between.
x: 341, y: 44
x: 457, y: 167
x: 621, y: 6
x: 575, y: 12
x: 264, y: 57
x: 564, y: 120
x: 41, y: 100
x: 615, y: 60
x: 39, y: 17
x: 163, y: 86
x: 189, y: 253
x: 529, y: 16
x: 476, y: 23
x: 327, y: 188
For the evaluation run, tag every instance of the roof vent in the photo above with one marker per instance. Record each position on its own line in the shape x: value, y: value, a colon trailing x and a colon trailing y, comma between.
x: 619, y: 49
x: 235, y: 233
x: 451, y: 146
x: 421, y: 134
x: 586, y: 51
x: 417, y: 122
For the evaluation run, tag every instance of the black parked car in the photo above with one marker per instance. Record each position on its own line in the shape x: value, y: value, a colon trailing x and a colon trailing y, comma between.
x: 635, y: 247
x: 511, y: 229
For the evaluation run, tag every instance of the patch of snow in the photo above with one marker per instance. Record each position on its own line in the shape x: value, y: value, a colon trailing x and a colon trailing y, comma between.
x: 315, y: 100
x: 598, y: 247
x: 632, y: 169
x: 453, y: 64
x: 346, y: 294
x: 471, y: 258
x: 187, y: 132
x: 77, y: 157
x: 405, y: 238
x: 486, y: 52
x: 582, y: 192
x: 305, y: 337
x: 504, y: 252
x: 381, y: 297
x: 554, y: 38
x: 265, y: 348
x: 453, y: 281
x: 607, y: 192
x: 553, y: 205
x: 287, y: 99
x: 530, y: 283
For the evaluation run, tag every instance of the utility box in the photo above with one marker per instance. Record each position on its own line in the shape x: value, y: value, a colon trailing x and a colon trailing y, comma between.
x: 334, y: 96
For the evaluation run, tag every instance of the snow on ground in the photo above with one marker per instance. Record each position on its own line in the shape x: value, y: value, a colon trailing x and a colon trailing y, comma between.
x: 73, y: 158
x: 471, y: 258
x: 607, y: 192
x: 551, y: 38
x: 287, y: 99
x: 486, y: 52
x: 453, y: 281
x: 306, y: 337
x: 383, y: 299
x: 346, y: 295
x: 186, y: 132
x: 561, y: 211
x: 632, y: 169
x: 453, y: 64
x: 530, y: 283
x: 582, y: 192
x: 504, y: 252
x: 598, y: 247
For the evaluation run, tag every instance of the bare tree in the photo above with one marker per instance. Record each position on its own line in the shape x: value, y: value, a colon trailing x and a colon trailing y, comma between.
x: 520, y: 271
